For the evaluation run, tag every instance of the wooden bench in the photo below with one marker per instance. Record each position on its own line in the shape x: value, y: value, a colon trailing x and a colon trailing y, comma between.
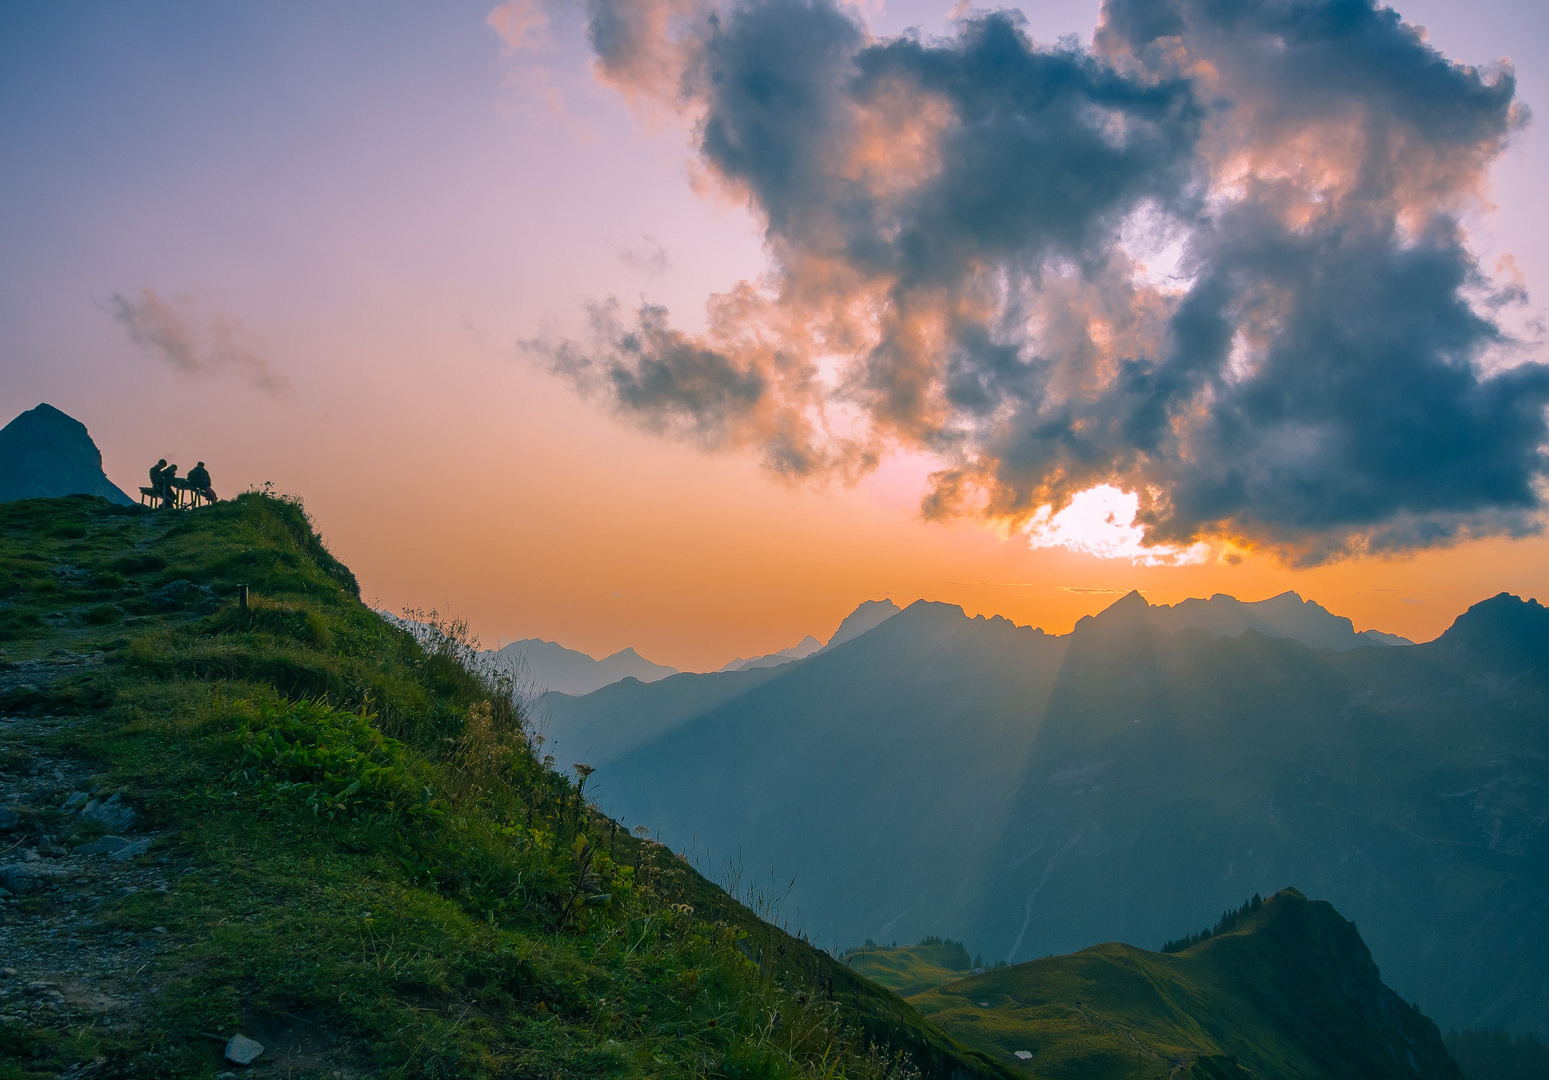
x: 184, y: 497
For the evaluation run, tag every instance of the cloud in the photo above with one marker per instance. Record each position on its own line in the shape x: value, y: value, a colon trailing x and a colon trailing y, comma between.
x: 955, y: 229
x: 648, y: 256
x: 174, y: 331
x: 522, y: 25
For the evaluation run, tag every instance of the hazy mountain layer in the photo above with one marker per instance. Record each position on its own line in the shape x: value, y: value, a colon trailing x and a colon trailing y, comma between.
x: 1032, y: 795
x: 44, y: 453
x: 551, y: 666
x: 799, y: 651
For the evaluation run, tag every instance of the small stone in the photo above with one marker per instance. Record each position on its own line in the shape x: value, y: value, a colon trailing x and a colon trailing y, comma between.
x: 133, y: 848
x: 8, y: 972
x: 78, y: 799
x: 111, y: 813
x: 8, y: 819
x: 1025, y: 1055
x: 243, y: 1051
x: 103, y: 845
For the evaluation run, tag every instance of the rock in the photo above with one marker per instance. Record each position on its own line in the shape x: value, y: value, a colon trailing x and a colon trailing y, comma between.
x: 4, y: 895
x: 243, y: 1051
x: 25, y: 877
x: 78, y: 799
x: 103, y: 845
x: 8, y: 819
x: 110, y: 813
x: 1025, y: 1055
x: 133, y: 848
x: 181, y: 593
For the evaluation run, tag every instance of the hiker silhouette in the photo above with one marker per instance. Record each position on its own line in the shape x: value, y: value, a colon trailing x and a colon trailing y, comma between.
x: 161, y: 481
x: 199, y: 481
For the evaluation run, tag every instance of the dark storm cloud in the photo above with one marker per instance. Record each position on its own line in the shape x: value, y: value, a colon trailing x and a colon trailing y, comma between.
x: 954, y: 227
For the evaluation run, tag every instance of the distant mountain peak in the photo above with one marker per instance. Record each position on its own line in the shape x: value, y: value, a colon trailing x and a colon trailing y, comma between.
x: 551, y: 666
x: 867, y: 617
x: 799, y: 651
x: 46, y: 453
x: 1505, y: 632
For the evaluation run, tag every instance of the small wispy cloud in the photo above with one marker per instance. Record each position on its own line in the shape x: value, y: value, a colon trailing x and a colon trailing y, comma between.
x: 174, y: 330
x: 648, y: 255
x: 523, y: 26
x: 523, y: 29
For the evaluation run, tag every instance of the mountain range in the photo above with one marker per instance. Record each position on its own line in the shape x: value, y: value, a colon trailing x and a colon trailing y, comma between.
x: 1033, y: 794
x: 549, y: 666
x: 45, y: 453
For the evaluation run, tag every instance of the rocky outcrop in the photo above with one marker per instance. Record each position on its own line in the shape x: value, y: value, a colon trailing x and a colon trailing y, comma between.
x: 45, y: 454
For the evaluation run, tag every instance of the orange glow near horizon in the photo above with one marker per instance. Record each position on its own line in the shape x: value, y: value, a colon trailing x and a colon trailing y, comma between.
x: 488, y: 490
x: 359, y: 230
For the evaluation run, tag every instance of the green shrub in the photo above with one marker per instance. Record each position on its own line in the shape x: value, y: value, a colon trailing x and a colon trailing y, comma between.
x: 333, y: 761
x: 101, y: 615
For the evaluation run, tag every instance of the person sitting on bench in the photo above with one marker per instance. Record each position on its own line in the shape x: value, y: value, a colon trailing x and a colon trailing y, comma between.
x: 199, y: 482
x: 169, y: 477
x: 159, y: 486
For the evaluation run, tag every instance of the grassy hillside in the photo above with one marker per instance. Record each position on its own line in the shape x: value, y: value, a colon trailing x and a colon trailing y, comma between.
x: 913, y: 968
x: 344, y: 843
x: 1286, y: 991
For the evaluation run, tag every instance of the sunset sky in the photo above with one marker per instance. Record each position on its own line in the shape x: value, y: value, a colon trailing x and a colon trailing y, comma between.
x: 1280, y: 274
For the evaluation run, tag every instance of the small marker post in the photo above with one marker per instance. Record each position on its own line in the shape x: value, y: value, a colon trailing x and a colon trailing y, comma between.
x: 242, y: 597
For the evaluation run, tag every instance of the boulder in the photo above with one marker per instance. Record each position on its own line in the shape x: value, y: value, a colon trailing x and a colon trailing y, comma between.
x: 243, y: 1051
x: 21, y: 878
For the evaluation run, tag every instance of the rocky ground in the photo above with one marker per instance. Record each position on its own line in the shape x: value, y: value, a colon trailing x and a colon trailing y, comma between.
x: 71, y: 852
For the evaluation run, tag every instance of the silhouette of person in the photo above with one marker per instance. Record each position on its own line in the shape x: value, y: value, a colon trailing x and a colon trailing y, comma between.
x: 159, y: 480
x: 199, y: 480
x: 170, y: 481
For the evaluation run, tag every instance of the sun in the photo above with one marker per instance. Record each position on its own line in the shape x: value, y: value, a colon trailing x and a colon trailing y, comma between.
x: 1101, y: 521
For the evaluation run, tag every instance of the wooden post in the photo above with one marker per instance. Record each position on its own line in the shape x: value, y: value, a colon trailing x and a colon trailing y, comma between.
x: 242, y: 597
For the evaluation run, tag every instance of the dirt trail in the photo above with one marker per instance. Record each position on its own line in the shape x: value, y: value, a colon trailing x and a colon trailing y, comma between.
x: 66, y: 847
x: 71, y: 850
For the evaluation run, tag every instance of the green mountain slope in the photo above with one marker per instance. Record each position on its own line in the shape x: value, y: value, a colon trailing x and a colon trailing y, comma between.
x: 911, y: 969
x: 1290, y: 991
x: 296, y: 823
x: 1031, y: 795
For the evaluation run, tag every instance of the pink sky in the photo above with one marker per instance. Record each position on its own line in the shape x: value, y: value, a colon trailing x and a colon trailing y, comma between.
x: 354, y: 220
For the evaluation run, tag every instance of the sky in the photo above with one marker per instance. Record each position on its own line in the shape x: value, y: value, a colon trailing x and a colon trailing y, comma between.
x: 689, y: 326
